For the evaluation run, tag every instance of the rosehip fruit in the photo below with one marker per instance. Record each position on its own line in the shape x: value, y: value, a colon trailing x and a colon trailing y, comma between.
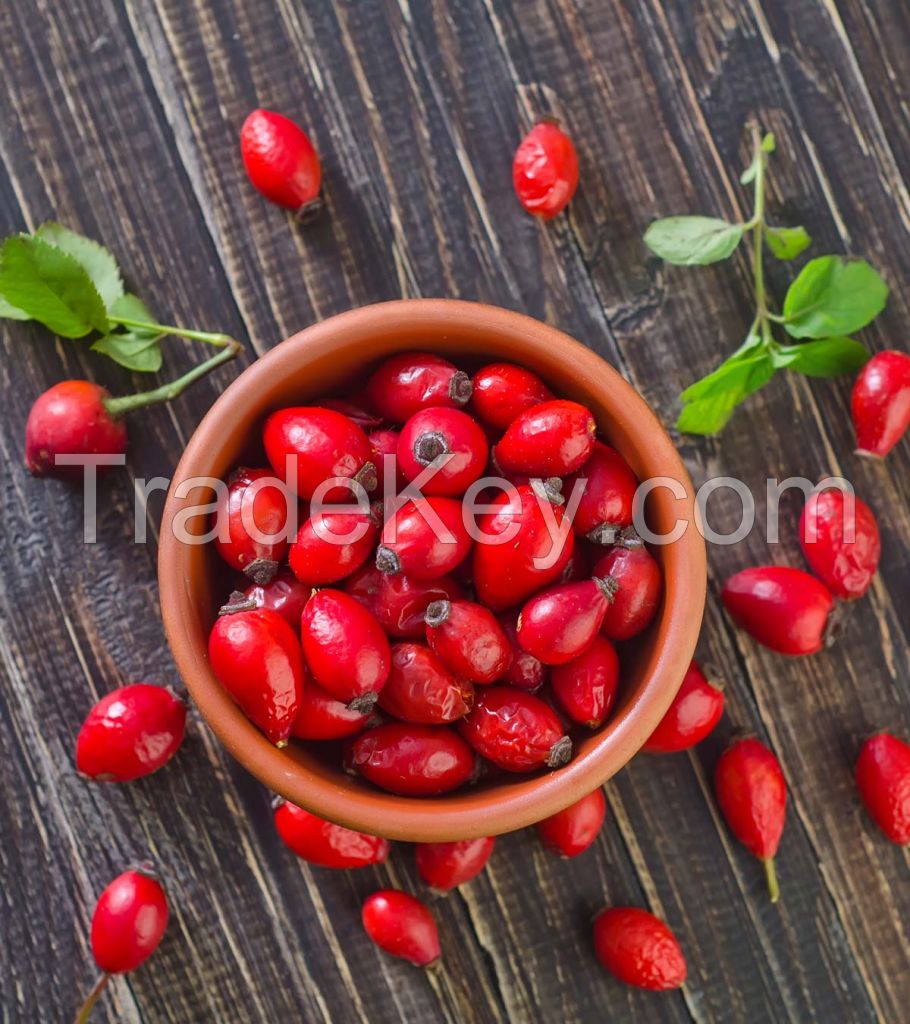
x: 384, y: 444
x: 695, y: 710
x: 424, y: 538
x: 883, y: 781
x: 558, y: 624
x: 325, y: 844
x: 503, y: 390
x: 411, y: 760
x: 551, y: 439
x: 345, y: 648
x: 407, y: 383
x: 433, y: 433
x: 445, y: 866
x: 129, y: 920
x: 71, y: 419
x: 332, y: 545
x: 467, y: 637
x: 571, y: 831
x: 639, y: 949
x: 355, y: 409
x: 421, y: 689
x: 399, y: 602
x: 131, y: 732
x: 524, y: 671
x: 401, y: 925
x: 545, y: 170
x: 752, y: 795
x: 322, y: 445
x: 881, y: 402
x: 639, y: 583
x: 322, y: 717
x: 605, y: 509
x: 785, y: 609
x: 515, y: 730
x: 845, y: 566
x: 251, y: 520
x: 585, y: 687
x: 284, y: 594
x: 255, y: 655
x: 281, y: 162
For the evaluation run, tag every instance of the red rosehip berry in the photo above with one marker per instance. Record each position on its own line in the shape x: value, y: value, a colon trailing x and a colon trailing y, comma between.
x: 399, y: 602
x: 421, y: 689
x: 639, y: 949
x: 524, y: 671
x: 545, y: 170
x: 883, y: 781
x: 752, y: 795
x: 559, y: 623
x: 424, y: 538
x: 131, y: 732
x: 503, y: 390
x: 322, y: 717
x: 571, y: 831
x: 129, y: 921
x: 605, y: 509
x: 585, y: 688
x: 786, y: 610
x: 639, y: 583
x: 384, y: 446
x: 551, y: 439
x: 436, y: 433
x: 325, y: 844
x: 356, y: 409
x: 467, y: 637
x: 407, y: 383
x: 881, y: 402
x: 331, y: 545
x: 281, y: 162
x: 445, y: 866
x: 695, y: 711
x: 284, y: 594
x: 401, y: 925
x: 251, y: 520
x: 845, y: 566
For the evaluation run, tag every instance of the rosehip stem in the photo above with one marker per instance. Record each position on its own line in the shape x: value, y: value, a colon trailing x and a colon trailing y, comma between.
x: 771, y: 876
x: 216, y: 339
x: 86, y: 1009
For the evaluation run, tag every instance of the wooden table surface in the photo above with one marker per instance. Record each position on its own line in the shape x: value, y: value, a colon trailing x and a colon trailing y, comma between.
x: 121, y: 121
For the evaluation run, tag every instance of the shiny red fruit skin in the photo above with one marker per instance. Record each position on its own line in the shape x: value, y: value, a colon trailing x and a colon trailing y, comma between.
x: 401, y: 925
x: 280, y: 161
x: 256, y: 658
x: 559, y: 623
x: 846, y: 568
x: 411, y: 760
x: 344, y: 647
x: 695, y: 711
x: 504, y: 573
x: 322, y: 717
x: 551, y: 439
x: 503, y: 390
x: 785, y: 609
x: 316, y: 558
x: 421, y: 689
x: 639, y: 949
x: 883, y: 781
x: 545, y: 170
x: 407, y: 383
x: 411, y: 546
x: 322, y: 444
x: 70, y: 419
x: 284, y: 594
x: 435, y: 432
x: 356, y: 409
x: 639, y: 584
x: 385, y: 443
x: 752, y: 795
x: 571, y: 831
x: 131, y: 732
x: 467, y: 637
x: 880, y: 402
x: 445, y: 866
x: 399, y: 602
x: 128, y: 922
x: 325, y: 844
x: 515, y: 730
x: 585, y: 687
x: 606, y: 502
x: 524, y: 671
x: 267, y: 507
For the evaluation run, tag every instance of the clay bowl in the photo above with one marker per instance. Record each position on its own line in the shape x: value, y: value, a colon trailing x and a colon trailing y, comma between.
x: 324, y: 359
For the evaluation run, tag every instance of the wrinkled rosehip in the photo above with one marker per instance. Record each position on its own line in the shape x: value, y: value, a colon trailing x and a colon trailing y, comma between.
x: 524, y: 671
x: 571, y: 831
x: 586, y: 687
x: 880, y: 402
x: 639, y: 583
x: 407, y: 383
x: 605, y: 508
x: 551, y: 439
x: 444, y: 866
x: 400, y: 602
x: 545, y: 170
x: 421, y: 689
x: 450, y: 436
x: 321, y: 842
x: 322, y: 717
x: 251, y: 520
x: 425, y: 538
x: 467, y: 637
x: 332, y: 545
x: 841, y: 542
x: 503, y: 390
x: 559, y: 623
x: 284, y: 594
x: 883, y: 781
x: 696, y: 709
x: 281, y: 162
x: 401, y: 925
x: 129, y: 921
x: 639, y: 949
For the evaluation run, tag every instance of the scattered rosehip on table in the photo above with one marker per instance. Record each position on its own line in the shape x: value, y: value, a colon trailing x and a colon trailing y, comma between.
x: 880, y: 403
x: 639, y: 949
x: 323, y: 843
x: 444, y: 866
x: 401, y: 925
x: 883, y: 781
x: 281, y: 163
x: 695, y: 711
x: 571, y: 831
x: 545, y: 170
x: 845, y: 566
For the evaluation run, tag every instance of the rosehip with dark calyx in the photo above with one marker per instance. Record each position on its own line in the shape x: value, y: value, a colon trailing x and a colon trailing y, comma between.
x: 325, y: 844
x: 524, y: 671
x: 424, y: 538
x: 411, y: 760
x: 129, y: 920
x: 131, y: 732
x: 401, y: 925
x: 356, y: 409
x: 883, y: 781
x: 399, y: 602
x: 322, y: 717
x: 445, y: 866
x: 785, y: 609
x: 281, y: 162
x: 551, y: 439
x: 421, y: 689
x: 383, y: 444
x: 559, y: 623
x: 407, y: 383
x: 881, y: 403
x: 571, y: 831
x: 545, y: 170
x: 586, y: 687
x: 639, y: 583
x: 467, y: 637
x: 251, y: 520
x: 695, y: 711
x: 845, y: 566
x: 284, y: 594
x: 449, y: 435
x: 515, y: 730
x: 605, y: 508
x: 639, y: 949
x: 320, y: 553
x: 752, y: 795
x: 503, y: 390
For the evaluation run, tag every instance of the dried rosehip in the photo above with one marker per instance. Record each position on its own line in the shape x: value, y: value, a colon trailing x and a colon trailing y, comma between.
x: 846, y: 566
x: 400, y: 602
x: 421, y: 689
x: 545, y: 170
x: 467, y: 637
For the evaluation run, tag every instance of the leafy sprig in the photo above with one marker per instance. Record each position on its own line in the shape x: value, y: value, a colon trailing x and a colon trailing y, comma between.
x: 830, y: 298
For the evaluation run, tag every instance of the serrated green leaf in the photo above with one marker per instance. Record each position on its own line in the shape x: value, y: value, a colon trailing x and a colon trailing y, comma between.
x: 50, y: 286
x: 787, y: 243
x: 693, y: 241
x: 828, y: 357
x: 833, y: 295
x: 9, y: 312
x: 131, y: 307
x: 94, y: 259
x: 769, y: 143
x: 133, y: 350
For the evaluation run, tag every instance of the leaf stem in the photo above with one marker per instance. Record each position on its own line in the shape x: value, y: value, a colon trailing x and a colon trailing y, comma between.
x: 218, y: 340
x: 86, y: 1009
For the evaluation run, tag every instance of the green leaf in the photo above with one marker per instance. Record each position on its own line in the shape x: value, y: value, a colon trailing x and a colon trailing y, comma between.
x: 132, y: 349
x: 832, y: 295
x: 787, y: 243
x: 749, y: 173
x: 131, y: 307
x: 9, y: 312
x: 829, y: 357
x: 693, y: 240
x: 769, y: 143
x: 50, y: 286
x: 94, y: 259
x: 711, y: 400
x: 708, y: 415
